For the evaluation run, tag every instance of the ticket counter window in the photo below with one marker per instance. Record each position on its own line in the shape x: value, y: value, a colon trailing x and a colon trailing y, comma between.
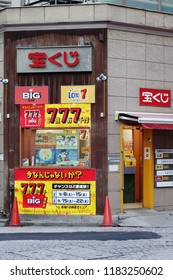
x: 129, y: 160
x: 61, y: 148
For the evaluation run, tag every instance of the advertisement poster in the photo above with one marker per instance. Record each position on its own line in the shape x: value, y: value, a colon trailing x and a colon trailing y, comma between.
x: 32, y: 116
x: 53, y: 115
x: 56, y: 191
x: 67, y: 149
x: 84, y: 149
x: 66, y: 157
x: 45, y: 148
x: 67, y: 115
x: 63, y: 147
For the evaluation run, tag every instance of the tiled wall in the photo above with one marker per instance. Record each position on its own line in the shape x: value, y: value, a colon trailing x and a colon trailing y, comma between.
x: 135, y: 60
x: 85, y: 13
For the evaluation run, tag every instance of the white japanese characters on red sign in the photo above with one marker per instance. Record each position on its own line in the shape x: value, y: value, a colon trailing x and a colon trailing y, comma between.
x: 155, y: 97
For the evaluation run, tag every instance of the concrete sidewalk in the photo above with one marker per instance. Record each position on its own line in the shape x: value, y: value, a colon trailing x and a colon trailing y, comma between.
x: 141, y: 217
x: 145, y: 218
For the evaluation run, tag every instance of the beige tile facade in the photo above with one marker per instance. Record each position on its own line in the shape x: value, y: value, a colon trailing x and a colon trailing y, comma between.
x: 142, y: 61
x: 81, y: 13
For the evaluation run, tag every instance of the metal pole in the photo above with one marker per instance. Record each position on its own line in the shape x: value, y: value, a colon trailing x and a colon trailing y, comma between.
x: 4, y: 81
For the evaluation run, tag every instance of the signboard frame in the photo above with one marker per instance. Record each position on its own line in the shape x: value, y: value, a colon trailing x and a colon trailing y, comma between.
x: 154, y: 97
x: 55, y: 191
x: 163, y: 174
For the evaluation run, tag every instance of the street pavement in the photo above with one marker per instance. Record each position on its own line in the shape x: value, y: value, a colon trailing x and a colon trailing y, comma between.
x: 146, y: 218
x: 139, y: 234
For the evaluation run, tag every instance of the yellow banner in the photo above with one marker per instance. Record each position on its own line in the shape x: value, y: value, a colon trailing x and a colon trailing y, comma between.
x: 58, y: 197
x: 78, y: 94
x: 67, y: 115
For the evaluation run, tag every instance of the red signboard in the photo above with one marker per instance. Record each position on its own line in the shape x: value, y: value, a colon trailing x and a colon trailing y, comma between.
x: 31, y: 95
x: 155, y: 97
x: 159, y: 178
x: 32, y: 116
x: 34, y: 201
x: 38, y: 174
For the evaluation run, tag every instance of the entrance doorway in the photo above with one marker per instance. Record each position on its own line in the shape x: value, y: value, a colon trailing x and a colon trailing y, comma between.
x: 132, y: 161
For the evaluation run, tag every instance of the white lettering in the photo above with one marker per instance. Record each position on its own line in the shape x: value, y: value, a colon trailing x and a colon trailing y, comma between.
x: 31, y: 95
x: 33, y: 200
x: 73, y: 95
x: 32, y: 121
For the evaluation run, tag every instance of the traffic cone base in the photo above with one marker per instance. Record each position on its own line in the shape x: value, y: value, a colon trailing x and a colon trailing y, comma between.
x: 15, y: 219
x: 107, y: 220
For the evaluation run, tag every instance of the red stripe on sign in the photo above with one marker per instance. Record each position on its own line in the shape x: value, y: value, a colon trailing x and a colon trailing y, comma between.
x: 40, y: 174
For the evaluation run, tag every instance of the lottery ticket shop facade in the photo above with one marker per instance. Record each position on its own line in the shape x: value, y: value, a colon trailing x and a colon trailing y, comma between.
x: 87, y: 111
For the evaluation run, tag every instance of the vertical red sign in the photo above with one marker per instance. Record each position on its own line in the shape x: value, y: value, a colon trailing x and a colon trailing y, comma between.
x: 32, y: 116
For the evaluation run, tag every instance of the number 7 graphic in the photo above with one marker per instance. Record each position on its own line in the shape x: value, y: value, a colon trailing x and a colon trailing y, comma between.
x: 65, y: 112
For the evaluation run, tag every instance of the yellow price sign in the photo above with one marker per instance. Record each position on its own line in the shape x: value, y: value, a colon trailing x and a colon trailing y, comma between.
x: 56, y: 191
x: 57, y: 198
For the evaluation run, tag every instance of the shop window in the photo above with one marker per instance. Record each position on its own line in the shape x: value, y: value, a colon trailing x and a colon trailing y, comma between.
x: 55, y: 147
x: 127, y: 139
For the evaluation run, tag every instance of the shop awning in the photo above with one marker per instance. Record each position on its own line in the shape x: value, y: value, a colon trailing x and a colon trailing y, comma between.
x: 147, y: 120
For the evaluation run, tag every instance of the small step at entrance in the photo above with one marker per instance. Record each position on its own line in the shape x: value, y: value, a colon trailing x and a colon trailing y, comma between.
x: 4, y: 222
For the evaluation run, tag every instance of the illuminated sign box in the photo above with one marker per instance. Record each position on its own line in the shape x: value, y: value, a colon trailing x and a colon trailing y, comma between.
x: 155, y: 97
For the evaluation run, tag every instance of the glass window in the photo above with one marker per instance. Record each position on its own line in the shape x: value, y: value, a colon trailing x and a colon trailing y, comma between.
x: 55, y: 147
x: 127, y: 139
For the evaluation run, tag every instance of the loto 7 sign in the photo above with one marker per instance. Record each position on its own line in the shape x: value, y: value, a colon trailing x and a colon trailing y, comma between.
x: 155, y: 97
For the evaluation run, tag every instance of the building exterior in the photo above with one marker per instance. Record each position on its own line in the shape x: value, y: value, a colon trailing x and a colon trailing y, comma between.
x: 126, y: 55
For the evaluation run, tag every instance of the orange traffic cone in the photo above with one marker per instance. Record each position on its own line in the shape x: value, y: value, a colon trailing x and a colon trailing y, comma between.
x: 107, y: 220
x: 15, y: 219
